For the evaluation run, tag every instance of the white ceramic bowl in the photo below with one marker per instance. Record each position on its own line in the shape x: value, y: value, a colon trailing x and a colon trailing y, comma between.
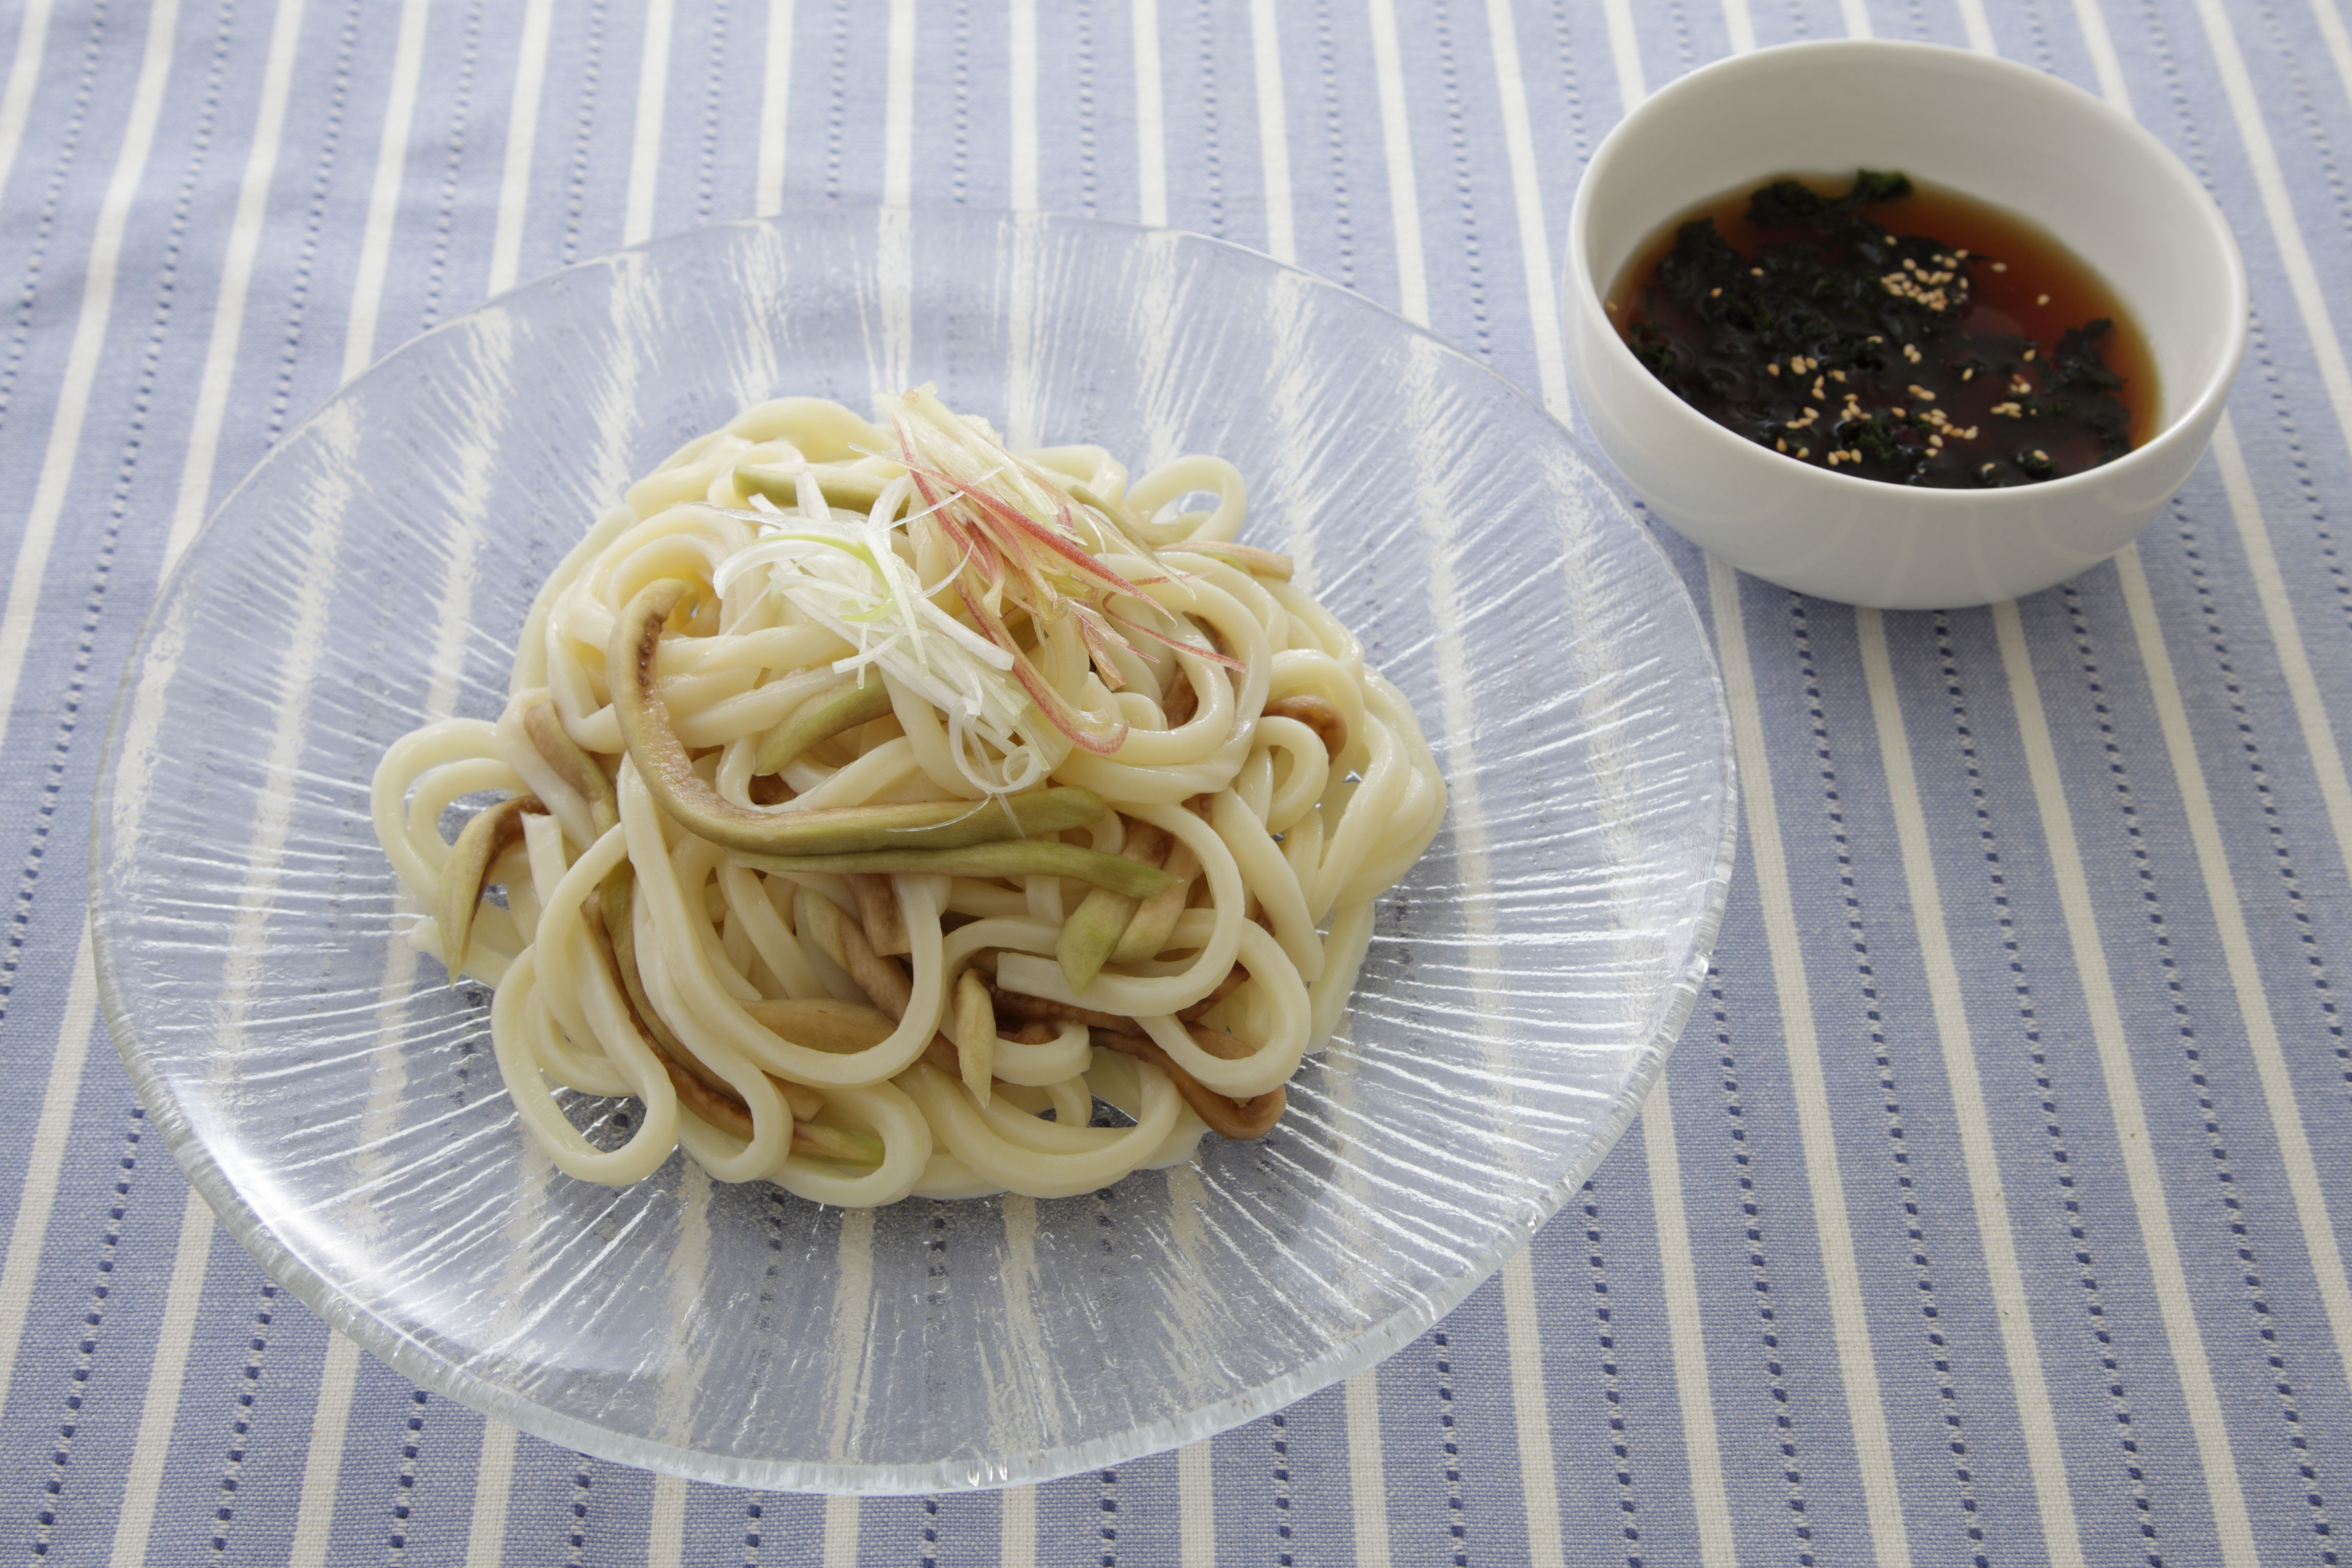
x: 1999, y: 131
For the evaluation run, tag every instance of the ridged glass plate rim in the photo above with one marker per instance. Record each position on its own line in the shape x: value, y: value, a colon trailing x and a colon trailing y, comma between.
x: 431, y: 1371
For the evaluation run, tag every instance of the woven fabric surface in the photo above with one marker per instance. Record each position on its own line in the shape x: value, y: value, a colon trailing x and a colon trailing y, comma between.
x: 1995, y: 1205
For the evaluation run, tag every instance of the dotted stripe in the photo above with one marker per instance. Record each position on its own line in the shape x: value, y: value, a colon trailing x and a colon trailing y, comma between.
x: 714, y: 76
x: 1213, y: 152
x: 576, y: 187
x: 1457, y: 139
x: 1760, y: 1270
x: 437, y: 271
x: 2061, y: 1164
x: 240, y: 1423
x: 86, y: 1351
x: 1891, y: 1100
x: 28, y: 296
x: 1613, y: 1391
x: 1335, y: 144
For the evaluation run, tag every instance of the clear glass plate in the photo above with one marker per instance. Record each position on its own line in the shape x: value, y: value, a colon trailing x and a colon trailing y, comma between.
x: 337, y: 1100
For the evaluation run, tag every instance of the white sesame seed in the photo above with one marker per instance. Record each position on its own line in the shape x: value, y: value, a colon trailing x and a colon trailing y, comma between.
x: 2041, y: 299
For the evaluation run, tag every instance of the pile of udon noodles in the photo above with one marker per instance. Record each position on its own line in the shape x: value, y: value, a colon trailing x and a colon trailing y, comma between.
x: 879, y: 804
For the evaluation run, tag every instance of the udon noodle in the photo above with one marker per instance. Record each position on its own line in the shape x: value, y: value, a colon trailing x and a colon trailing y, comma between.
x: 890, y: 813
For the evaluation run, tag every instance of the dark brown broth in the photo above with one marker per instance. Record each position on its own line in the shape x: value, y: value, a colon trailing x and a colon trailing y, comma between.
x: 2024, y: 292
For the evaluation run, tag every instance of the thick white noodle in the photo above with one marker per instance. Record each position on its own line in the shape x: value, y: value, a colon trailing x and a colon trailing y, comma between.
x: 1290, y: 844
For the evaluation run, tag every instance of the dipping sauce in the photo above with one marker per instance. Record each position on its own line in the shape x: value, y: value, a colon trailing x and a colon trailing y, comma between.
x: 1888, y: 329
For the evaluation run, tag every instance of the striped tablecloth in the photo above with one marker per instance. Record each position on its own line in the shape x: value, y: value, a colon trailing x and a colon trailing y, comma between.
x: 1995, y: 1207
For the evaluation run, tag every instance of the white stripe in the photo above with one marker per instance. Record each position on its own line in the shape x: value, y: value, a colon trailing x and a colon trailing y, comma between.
x: 645, y: 147
x: 1977, y: 28
x: 1367, y: 1481
x: 1738, y: 26
x: 666, y: 1524
x: 840, y: 1532
x: 1196, y: 1505
x: 73, y: 394
x: 1855, y: 15
x: 45, y: 1158
x: 1531, y: 1412
x: 2175, y: 1304
x: 2011, y: 1309
x: 1625, y: 49
x: 1021, y: 93
x: 775, y: 109
x: 2339, y: 45
x: 1150, y: 131
x: 236, y: 279
x: 1526, y: 196
x: 522, y: 137
x: 1016, y: 1544
x: 1396, y: 140
x: 23, y: 74
x: 323, y: 1465
x: 2278, y: 206
x: 183, y: 1298
x: 2287, y: 637
x: 2238, y: 953
x: 2106, y: 64
x: 1849, y: 1313
x: 1687, y: 1332
x: 1272, y: 133
x: 898, y: 106
x: 384, y: 196
x: 485, y: 1530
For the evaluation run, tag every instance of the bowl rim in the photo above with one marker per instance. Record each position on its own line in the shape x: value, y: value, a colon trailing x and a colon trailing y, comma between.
x: 2189, y: 426
x: 418, y: 1361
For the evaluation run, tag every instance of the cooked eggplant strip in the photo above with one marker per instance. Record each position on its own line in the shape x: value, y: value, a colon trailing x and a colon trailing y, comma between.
x: 1248, y: 557
x: 820, y: 718
x: 823, y: 1025
x: 848, y: 488
x: 1155, y: 919
x: 571, y: 763
x: 1094, y: 930
x: 844, y: 941
x: 941, y: 1053
x: 1023, y: 857
x: 1180, y: 701
x: 1319, y: 715
x: 493, y: 831
x: 1028, y: 1009
x: 1224, y: 988
x: 706, y: 1093
x: 878, y: 912
x: 1240, y: 1119
x: 661, y: 758
x: 975, y: 1035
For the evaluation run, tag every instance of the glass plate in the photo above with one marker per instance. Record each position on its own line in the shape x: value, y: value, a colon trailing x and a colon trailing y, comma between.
x: 337, y: 1101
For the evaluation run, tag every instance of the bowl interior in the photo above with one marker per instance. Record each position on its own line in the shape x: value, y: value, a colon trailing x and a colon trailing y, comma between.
x: 1996, y: 130
x: 338, y: 1102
